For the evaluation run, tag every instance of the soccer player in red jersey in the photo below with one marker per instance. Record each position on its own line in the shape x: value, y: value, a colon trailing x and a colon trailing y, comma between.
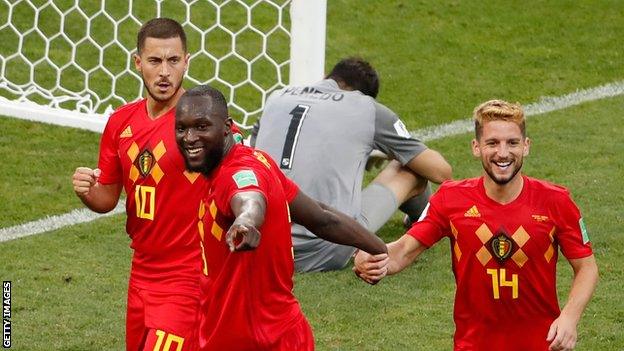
x: 505, y: 231
x: 138, y: 152
x: 247, y: 298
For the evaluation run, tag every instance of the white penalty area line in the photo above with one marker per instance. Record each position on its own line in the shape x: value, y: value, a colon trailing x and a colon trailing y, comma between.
x: 544, y: 105
x: 51, y: 223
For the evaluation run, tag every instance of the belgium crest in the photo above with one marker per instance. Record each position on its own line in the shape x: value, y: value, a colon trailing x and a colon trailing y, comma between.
x: 144, y: 162
x: 502, y: 246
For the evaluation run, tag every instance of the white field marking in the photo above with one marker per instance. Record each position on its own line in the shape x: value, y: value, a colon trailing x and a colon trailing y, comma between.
x: 50, y: 223
x: 544, y: 105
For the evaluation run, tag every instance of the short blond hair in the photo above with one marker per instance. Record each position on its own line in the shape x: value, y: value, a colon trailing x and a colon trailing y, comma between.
x: 498, y: 110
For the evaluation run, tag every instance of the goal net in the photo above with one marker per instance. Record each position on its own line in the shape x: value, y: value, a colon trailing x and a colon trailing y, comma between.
x: 69, y: 62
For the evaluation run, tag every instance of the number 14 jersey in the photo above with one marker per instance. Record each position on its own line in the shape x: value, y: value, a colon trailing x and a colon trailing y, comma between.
x: 504, y: 259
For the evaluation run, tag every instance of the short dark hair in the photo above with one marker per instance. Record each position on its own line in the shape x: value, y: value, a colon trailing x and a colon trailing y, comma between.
x: 218, y: 102
x: 357, y: 74
x: 160, y: 28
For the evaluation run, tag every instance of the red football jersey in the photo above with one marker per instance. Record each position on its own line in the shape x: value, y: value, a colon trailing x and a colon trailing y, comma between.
x: 248, y: 303
x: 504, y: 259
x: 162, y: 198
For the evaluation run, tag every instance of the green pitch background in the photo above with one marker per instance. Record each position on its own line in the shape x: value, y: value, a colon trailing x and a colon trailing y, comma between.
x: 437, y: 60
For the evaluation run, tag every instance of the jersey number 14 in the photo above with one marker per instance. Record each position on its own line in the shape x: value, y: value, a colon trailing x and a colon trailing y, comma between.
x: 499, y: 280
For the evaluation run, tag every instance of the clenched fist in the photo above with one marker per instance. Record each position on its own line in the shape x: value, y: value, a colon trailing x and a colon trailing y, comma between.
x: 84, y: 179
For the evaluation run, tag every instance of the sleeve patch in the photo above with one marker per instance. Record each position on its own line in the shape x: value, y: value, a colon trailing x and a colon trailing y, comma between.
x: 584, y: 231
x: 401, y: 129
x: 245, y: 178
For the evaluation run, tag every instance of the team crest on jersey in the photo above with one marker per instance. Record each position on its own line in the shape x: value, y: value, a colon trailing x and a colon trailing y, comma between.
x: 502, y: 246
x: 145, y: 162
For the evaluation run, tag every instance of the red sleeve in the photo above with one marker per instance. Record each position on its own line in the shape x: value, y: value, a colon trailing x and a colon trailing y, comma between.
x: 236, y: 179
x: 432, y: 224
x: 290, y: 188
x: 571, y: 233
x: 109, y: 162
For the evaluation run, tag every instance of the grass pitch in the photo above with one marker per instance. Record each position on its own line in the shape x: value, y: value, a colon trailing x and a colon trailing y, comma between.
x: 437, y: 60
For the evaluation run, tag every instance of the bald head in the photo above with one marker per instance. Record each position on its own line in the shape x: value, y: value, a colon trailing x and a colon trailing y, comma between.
x: 203, y: 100
x: 203, y: 128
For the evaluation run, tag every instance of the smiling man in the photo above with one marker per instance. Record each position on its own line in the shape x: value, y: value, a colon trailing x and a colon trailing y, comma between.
x: 138, y: 152
x: 247, y: 296
x: 505, y: 230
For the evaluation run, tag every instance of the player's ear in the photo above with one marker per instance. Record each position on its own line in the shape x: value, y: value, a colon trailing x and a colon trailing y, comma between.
x: 137, y: 62
x: 187, y: 57
x: 527, y: 146
x: 476, y: 151
x: 228, y: 126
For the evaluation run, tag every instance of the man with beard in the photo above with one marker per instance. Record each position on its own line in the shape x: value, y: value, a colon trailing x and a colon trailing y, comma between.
x: 505, y: 230
x: 138, y: 152
x: 247, y: 298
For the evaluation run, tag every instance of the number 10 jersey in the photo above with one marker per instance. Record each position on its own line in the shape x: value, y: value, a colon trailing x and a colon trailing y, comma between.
x: 162, y: 198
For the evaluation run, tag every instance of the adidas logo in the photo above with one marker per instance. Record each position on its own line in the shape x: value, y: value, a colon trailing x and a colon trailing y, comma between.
x: 472, y: 212
x: 126, y: 133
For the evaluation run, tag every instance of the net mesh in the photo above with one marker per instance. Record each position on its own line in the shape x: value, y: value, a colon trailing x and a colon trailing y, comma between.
x: 77, y: 55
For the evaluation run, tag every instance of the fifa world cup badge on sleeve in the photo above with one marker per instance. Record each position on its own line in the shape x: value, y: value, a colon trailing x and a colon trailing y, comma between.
x: 6, y: 314
x: 245, y: 178
x: 584, y: 231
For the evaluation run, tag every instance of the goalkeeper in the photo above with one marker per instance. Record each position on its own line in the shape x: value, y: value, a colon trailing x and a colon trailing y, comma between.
x: 322, y: 136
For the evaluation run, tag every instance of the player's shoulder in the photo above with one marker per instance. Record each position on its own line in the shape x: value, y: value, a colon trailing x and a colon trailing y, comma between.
x: 460, y: 185
x: 545, y: 187
x: 549, y: 192
x: 457, y: 189
x: 124, y: 112
x: 128, y: 108
x: 246, y: 156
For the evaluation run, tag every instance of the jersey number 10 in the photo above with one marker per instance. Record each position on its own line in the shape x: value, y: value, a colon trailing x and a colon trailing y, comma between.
x: 145, y: 200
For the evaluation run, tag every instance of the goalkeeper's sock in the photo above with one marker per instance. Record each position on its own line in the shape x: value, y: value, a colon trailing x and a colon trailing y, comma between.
x: 414, y: 206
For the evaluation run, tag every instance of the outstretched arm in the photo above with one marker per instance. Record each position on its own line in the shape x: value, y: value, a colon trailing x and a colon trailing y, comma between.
x: 401, y: 253
x: 249, y: 207
x: 330, y: 224
x: 562, y: 333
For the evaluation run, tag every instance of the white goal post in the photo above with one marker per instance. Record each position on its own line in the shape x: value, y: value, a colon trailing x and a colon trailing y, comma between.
x: 69, y: 62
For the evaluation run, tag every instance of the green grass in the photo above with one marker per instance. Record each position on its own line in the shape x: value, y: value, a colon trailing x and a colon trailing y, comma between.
x: 38, y: 161
x: 437, y: 61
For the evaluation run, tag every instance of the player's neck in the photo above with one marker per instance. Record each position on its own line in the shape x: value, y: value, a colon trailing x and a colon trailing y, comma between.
x: 155, y: 109
x: 228, y: 144
x: 505, y: 193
